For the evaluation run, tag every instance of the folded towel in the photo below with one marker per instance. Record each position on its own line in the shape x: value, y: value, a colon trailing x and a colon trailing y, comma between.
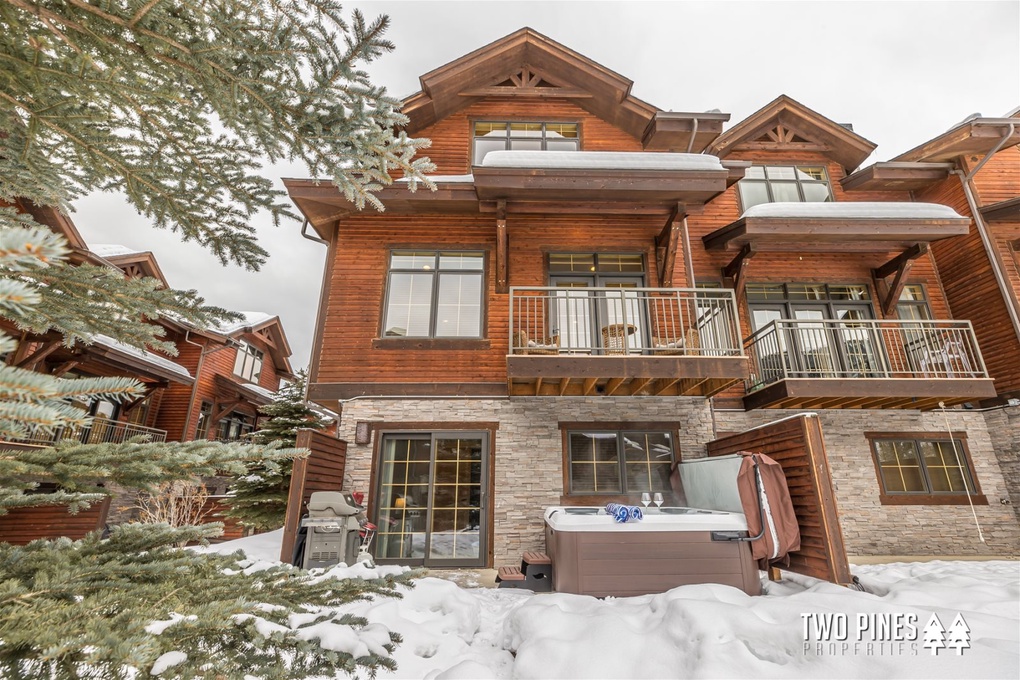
x: 621, y: 513
x: 636, y: 514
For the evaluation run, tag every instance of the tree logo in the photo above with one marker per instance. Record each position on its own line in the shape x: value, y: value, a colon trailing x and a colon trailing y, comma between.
x: 936, y: 637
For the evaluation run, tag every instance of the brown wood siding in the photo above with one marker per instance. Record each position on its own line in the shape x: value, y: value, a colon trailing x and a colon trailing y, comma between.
x: 972, y: 291
x: 22, y: 525
x: 999, y: 178
x: 322, y: 470
x: 451, y: 137
x: 354, y: 313
x: 797, y: 445
x: 833, y: 267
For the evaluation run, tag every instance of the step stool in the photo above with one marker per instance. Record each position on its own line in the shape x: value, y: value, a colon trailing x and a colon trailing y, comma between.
x: 510, y: 577
x: 537, y: 568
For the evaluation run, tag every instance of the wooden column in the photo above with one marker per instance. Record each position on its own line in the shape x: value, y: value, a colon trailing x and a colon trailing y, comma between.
x: 666, y: 244
x: 900, y: 265
x: 502, y: 249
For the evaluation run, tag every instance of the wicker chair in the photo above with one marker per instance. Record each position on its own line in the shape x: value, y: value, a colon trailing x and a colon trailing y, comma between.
x: 524, y: 345
x: 689, y: 345
x: 614, y: 338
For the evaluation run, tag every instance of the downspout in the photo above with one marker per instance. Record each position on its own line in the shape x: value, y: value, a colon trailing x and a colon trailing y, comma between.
x: 966, y: 181
x: 694, y: 133
x: 326, y: 271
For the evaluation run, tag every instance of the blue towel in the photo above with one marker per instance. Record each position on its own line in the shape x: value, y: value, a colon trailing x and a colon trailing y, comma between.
x: 636, y: 514
x: 621, y: 513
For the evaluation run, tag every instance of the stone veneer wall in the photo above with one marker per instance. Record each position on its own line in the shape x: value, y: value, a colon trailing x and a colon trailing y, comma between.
x: 870, y: 528
x: 1004, y: 429
x: 528, y: 460
x: 527, y: 464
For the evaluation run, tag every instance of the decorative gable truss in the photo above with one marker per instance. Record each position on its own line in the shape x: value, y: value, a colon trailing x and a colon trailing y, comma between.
x: 527, y: 82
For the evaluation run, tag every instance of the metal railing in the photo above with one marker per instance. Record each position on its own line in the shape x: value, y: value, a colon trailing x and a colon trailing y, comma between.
x: 98, y: 431
x: 614, y: 321
x: 785, y: 348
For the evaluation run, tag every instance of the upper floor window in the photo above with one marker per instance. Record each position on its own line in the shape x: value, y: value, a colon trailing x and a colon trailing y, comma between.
x: 523, y: 137
x: 434, y: 294
x: 248, y: 364
x: 784, y: 184
x: 912, y: 306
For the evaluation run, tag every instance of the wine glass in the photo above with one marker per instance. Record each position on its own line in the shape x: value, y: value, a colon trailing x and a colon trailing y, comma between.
x: 646, y: 499
x: 658, y: 500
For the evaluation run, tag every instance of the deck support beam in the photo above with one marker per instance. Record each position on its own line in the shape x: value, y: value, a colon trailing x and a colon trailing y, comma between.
x: 666, y: 244
x: 613, y: 385
x: 900, y: 265
x: 589, y: 386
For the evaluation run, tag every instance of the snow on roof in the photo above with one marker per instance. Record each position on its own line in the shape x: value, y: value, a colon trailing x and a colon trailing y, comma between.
x: 444, y: 178
x: 113, y: 250
x: 148, y: 357
x: 601, y: 160
x: 855, y: 210
x: 248, y: 319
x: 268, y: 394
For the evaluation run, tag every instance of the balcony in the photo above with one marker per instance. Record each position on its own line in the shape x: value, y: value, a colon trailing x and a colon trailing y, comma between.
x: 865, y: 364
x: 99, y: 431
x: 577, y: 340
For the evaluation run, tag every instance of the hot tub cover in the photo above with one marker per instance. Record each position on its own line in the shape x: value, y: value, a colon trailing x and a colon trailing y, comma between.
x: 775, y: 508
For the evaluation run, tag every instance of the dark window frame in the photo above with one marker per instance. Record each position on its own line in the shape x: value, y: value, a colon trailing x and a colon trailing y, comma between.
x: 922, y: 304
x: 242, y: 367
x: 571, y: 497
x: 204, y: 420
x: 926, y: 497
x: 768, y: 182
x: 433, y: 341
x: 510, y: 137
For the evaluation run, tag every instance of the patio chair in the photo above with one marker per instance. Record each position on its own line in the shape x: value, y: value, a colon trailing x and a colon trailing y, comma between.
x: 690, y: 344
x: 952, y: 357
x: 524, y: 345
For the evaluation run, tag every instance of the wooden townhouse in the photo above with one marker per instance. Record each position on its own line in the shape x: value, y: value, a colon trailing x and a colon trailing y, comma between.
x: 599, y: 288
x: 212, y: 389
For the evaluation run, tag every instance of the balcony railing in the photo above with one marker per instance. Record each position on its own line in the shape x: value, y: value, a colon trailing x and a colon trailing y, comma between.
x: 588, y: 321
x: 863, y: 349
x: 99, y: 431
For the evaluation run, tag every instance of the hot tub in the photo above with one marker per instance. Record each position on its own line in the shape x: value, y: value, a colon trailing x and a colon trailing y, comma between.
x: 593, y: 554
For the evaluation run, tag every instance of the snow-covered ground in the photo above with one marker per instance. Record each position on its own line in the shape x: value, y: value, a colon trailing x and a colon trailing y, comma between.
x: 706, y: 631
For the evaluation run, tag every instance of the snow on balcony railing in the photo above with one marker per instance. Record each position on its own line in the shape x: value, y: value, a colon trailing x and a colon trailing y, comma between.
x: 603, y: 160
x: 856, y: 210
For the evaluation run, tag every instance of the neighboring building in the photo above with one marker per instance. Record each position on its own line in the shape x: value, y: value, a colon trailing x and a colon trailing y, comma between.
x: 569, y: 314
x: 211, y: 390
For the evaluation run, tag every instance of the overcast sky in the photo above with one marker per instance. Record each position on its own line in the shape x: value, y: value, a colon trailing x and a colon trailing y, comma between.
x: 900, y: 72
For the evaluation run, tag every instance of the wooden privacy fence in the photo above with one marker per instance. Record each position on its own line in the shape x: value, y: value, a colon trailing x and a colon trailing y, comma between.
x: 22, y: 525
x: 322, y: 470
x: 797, y: 445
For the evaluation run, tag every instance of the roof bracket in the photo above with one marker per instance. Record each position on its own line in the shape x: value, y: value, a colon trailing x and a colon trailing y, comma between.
x: 900, y: 266
x: 735, y: 269
x: 666, y: 244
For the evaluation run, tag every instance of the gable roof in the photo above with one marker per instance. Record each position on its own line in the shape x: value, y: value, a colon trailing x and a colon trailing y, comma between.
x: 527, y: 64
x: 269, y: 330
x: 130, y: 261
x: 785, y: 123
x: 973, y: 135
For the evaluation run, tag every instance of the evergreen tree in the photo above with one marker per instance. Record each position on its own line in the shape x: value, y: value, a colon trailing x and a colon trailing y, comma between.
x: 258, y: 498
x: 177, y: 104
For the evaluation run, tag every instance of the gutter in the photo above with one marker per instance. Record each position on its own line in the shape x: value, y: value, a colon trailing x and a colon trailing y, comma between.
x: 967, y: 182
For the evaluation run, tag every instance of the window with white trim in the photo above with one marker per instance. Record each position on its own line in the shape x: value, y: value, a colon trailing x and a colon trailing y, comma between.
x: 248, y: 363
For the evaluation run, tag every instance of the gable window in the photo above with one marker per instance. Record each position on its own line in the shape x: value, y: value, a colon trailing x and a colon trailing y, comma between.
x: 248, y: 363
x: 519, y: 136
x: 433, y: 294
x: 619, y: 462
x: 784, y: 184
x: 918, y: 469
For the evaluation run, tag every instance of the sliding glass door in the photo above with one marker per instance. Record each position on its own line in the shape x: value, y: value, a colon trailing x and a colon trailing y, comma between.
x: 431, y: 499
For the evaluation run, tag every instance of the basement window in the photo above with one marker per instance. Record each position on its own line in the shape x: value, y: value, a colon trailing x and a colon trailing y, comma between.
x: 922, y: 470
x: 621, y: 462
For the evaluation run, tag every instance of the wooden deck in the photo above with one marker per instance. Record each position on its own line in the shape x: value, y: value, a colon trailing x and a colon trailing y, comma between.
x: 867, y: 393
